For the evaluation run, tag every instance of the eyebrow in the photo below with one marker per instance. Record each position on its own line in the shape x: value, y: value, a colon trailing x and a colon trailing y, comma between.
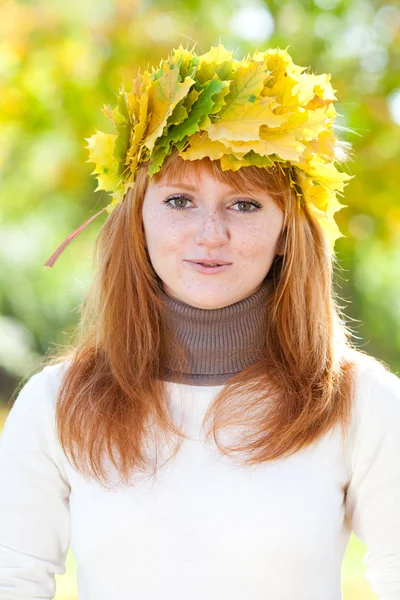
x: 192, y: 188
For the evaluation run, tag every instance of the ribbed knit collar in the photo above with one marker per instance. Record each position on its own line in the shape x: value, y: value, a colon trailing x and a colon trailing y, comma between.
x: 219, y: 342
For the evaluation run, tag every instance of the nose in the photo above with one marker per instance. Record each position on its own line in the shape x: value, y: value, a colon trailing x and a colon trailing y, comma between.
x: 212, y: 229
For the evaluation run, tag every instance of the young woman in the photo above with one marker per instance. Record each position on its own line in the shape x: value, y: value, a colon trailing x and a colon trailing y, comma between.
x: 213, y: 432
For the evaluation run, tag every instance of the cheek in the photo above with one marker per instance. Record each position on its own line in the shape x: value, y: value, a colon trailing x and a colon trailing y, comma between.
x: 161, y: 231
x: 152, y: 224
x: 252, y: 239
x: 258, y: 239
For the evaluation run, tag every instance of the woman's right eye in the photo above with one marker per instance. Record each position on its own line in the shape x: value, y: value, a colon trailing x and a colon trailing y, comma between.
x: 171, y: 199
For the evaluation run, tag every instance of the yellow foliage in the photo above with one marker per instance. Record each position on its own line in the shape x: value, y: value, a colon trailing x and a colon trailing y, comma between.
x: 239, y: 112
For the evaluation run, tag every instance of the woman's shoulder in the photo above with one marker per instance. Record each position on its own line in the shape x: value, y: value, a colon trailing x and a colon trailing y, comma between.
x: 54, y: 372
x: 371, y: 371
x: 377, y: 390
x: 51, y: 374
x: 40, y: 388
x: 29, y: 437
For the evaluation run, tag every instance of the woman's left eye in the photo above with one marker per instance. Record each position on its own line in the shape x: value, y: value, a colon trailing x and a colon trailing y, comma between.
x: 254, y: 203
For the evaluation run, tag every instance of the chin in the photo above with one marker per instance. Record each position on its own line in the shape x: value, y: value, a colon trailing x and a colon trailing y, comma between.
x: 210, y: 303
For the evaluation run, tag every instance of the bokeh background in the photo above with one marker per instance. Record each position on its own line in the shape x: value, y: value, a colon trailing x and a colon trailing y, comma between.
x: 61, y: 62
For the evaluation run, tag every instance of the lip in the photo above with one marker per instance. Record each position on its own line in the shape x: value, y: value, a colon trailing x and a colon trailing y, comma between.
x: 208, y: 270
x: 211, y: 261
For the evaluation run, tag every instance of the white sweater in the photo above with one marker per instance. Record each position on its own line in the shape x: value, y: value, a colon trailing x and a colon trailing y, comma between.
x: 205, y: 529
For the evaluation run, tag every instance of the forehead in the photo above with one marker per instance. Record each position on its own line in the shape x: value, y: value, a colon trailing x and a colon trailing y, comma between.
x: 191, y: 174
x: 196, y: 184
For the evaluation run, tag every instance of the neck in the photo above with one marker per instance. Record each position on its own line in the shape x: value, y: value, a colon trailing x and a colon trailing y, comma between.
x: 218, y: 343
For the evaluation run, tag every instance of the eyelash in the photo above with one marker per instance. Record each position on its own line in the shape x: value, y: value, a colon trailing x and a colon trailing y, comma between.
x: 177, y: 196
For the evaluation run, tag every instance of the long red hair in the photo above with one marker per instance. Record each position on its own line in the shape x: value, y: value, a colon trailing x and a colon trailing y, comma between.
x: 302, y: 387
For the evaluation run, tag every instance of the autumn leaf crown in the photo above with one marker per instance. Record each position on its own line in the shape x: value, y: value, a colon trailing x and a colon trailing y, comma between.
x: 261, y: 111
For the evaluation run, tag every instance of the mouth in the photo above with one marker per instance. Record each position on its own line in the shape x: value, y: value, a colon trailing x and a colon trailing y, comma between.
x: 209, y: 267
x: 210, y: 263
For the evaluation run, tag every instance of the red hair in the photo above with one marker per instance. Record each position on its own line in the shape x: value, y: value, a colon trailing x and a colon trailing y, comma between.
x: 302, y: 387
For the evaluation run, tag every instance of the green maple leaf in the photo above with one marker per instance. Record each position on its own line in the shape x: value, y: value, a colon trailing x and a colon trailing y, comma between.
x: 202, y: 107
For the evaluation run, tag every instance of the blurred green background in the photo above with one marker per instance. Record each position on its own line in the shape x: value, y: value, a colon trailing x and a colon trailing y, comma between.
x: 61, y: 62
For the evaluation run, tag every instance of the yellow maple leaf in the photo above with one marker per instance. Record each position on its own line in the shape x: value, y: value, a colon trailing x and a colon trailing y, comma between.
x: 324, y: 94
x: 200, y: 146
x: 245, y: 87
x: 164, y: 94
x: 244, y: 123
x: 285, y: 146
x: 328, y: 224
x: 303, y: 124
x: 230, y: 162
x: 138, y: 101
x: 185, y: 57
x: 117, y: 197
x: 283, y: 83
x: 325, y: 173
x: 217, y: 60
x: 101, y: 152
x: 101, y: 147
x: 278, y: 62
x: 324, y: 144
x: 215, y: 55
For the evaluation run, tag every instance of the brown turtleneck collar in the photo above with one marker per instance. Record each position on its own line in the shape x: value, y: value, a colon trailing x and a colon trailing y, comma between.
x: 219, y: 342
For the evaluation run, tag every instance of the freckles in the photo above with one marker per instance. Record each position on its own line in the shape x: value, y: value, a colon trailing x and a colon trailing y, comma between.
x: 155, y: 223
x: 253, y: 240
x: 173, y: 239
x: 259, y: 238
x: 168, y: 234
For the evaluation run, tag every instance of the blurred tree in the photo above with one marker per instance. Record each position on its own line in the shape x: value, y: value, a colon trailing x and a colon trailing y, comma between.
x: 59, y: 63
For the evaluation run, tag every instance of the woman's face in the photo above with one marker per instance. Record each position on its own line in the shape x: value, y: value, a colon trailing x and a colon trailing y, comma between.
x: 210, y: 220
